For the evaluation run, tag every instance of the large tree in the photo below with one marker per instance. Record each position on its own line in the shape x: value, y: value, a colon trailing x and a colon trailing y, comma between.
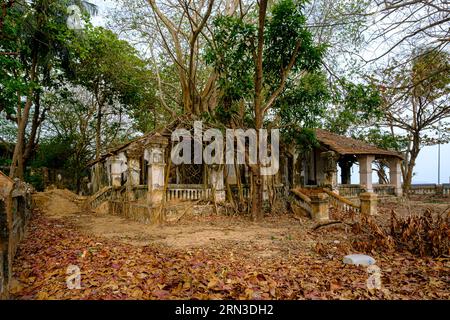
x: 416, y: 103
x: 113, y: 73
x: 404, y: 24
x: 276, y: 49
x: 176, y: 33
x: 32, y: 46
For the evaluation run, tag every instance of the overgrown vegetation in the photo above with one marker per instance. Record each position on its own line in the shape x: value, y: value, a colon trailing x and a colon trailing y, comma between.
x: 424, y: 235
x: 290, y: 64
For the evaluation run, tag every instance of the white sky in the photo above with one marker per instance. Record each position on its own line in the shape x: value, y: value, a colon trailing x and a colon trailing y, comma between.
x: 426, y: 170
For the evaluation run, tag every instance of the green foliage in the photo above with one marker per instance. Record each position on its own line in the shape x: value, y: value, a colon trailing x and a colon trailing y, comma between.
x: 232, y: 57
x: 286, y: 27
x: 383, y: 139
x: 304, y: 104
x: 34, y: 33
x: 301, y: 109
x: 112, y: 70
x: 355, y: 105
x: 54, y: 153
x: 12, y: 64
x: 232, y: 54
x: 430, y: 74
x: 36, y: 179
x: 303, y: 138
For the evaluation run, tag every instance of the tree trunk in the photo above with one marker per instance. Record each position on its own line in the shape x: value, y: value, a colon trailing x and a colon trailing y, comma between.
x: 257, y: 190
x: 17, y: 165
x: 37, y: 120
x: 409, y: 167
x: 98, y: 129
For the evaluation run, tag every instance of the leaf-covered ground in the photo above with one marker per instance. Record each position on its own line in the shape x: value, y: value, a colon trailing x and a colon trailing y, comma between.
x: 293, y: 263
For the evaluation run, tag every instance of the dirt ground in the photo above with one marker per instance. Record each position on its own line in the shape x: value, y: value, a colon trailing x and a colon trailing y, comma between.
x: 190, y: 232
x: 212, y: 256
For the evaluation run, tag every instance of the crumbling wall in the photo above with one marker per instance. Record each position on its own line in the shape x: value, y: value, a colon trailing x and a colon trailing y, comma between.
x: 15, y: 211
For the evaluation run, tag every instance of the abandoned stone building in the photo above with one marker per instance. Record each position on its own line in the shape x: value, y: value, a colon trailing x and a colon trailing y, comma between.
x: 140, y: 171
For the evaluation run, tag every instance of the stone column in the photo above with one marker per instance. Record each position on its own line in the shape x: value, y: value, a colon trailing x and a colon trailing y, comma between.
x: 345, y: 171
x: 368, y: 203
x: 116, y: 171
x: 395, y: 175
x: 365, y: 172
x: 156, y: 174
x: 330, y: 169
x: 319, y: 206
x: 216, y: 182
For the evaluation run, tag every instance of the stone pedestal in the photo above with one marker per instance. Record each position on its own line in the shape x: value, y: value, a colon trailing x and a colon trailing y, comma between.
x: 216, y: 182
x: 395, y: 176
x: 368, y: 203
x: 365, y: 172
x: 319, y: 206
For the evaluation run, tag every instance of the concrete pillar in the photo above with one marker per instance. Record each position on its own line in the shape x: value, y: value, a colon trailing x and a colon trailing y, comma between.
x: 345, y: 171
x: 116, y: 171
x: 319, y: 206
x: 156, y: 174
x: 334, y: 182
x: 365, y: 172
x: 329, y: 169
x: 395, y: 175
x: 368, y: 203
x: 216, y: 182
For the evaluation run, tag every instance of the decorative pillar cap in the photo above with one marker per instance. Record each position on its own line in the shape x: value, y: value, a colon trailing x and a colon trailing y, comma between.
x: 368, y: 196
x: 319, y: 197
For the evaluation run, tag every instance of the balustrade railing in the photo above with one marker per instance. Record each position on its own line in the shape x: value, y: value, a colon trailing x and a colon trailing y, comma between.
x: 342, y: 204
x: 188, y: 192
x: 303, y: 201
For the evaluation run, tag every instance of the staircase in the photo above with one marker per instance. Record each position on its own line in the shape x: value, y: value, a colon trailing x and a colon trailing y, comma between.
x: 101, y: 196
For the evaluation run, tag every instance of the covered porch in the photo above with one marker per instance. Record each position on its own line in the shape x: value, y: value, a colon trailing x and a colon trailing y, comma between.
x: 331, y: 164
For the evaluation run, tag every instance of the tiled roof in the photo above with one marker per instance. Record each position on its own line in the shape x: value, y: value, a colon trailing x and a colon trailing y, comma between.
x: 348, y: 146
